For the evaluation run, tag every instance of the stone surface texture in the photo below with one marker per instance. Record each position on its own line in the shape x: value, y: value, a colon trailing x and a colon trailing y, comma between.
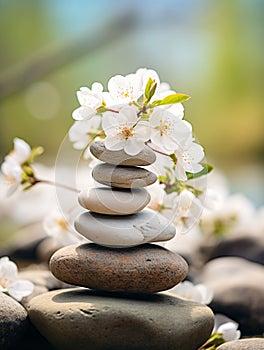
x: 238, y: 291
x: 124, y: 231
x: 110, y: 201
x: 145, y: 269
x: 121, y: 176
x: 145, y: 157
x: 82, y: 319
x: 243, y: 344
x: 13, y: 321
x: 250, y: 247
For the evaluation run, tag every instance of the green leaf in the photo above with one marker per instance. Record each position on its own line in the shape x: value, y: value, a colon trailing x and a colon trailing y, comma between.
x: 150, y: 89
x: 173, y: 158
x: 206, y: 170
x: 171, y: 99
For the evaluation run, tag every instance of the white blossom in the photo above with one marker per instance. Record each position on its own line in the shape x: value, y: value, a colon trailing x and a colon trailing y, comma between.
x: 157, y: 194
x: 234, y: 214
x: 186, y: 210
x: 199, y: 292
x: 124, y: 89
x: 123, y: 131
x: 11, y: 167
x: 227, y: 327
x: 57, y: 227
x: 188, y: 156
x: 83, y: 131
x: 90, y: 100
x: 145, y: 74
x: 10, y: 284
x: 168, y: 131
x: 12, y: 172
x: 21, y: 151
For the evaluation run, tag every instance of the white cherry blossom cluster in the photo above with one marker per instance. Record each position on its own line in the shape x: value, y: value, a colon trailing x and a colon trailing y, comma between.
x: 138, y: 110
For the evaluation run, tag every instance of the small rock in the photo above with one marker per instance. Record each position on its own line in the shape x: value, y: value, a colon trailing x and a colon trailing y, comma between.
x: 24, y: 245
x: 145, y: 269
x: 121, y: 176
x: 42, y: 278
x: 124, y: 231
x: 238, y: 291
x: 244, y: 246
x: 82, y: 319
x: 243, y: 344
x: 13, y: 321
x: 36, y: 291
x: 145, y: 157
x: 110, y: 201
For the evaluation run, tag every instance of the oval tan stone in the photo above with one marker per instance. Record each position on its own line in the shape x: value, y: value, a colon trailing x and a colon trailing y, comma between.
x: 145, y: 269
x: 110, y: 201
x: 82, y: 319
x: 124, y: 231
x: 145, y: 157
x: 121, y: 176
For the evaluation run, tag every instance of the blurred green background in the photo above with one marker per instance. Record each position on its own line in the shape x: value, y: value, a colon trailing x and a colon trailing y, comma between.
x: 209, y: 49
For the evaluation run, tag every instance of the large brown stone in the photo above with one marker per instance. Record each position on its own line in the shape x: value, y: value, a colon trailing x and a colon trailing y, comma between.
x: 145, y: 157
x: 82, y: 319
x: 145, y: 269
x: 121, y: 176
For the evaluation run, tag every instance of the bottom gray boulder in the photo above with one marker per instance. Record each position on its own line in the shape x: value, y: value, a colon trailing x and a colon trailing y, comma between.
x: 13, y: 321
x: 80, y: 318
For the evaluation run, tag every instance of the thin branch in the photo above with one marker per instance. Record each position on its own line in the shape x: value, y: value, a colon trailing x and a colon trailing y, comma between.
x: 48, y: 182
x: 148, y: 143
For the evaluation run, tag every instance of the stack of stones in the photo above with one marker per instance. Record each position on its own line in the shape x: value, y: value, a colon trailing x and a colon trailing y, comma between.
x: 122, y: 270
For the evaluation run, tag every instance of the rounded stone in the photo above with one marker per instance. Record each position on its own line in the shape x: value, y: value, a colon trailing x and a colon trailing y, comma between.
x: 243, y: 344
x: 241, y: 297
x: 83, y: 319
x: 145, y: 157
x: 110, y: 201
x: 146, y: 269
x: 124, y: 231
x: 121, y: 176
x: 13, y: 321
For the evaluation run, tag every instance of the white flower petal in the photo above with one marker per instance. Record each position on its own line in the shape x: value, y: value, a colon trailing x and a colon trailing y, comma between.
x: 20, y: 288
x: 97, y: 87
x: 196, y: 152
x: 8, y: 269
x: 83, y: 112
x: 142, y: 131
x: 145, y: 74
x: 114, y: 143
x: 206, y: 293
x: 177, y: 109
x: 180, y: 172
x: 229, y: 331
x: 128, y: 114
x: 125, y: 88
x: 193, y: 292
x: 109, y: 122
x: 156, y: 117
x: 21, y: 150
x: 133, y: 146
